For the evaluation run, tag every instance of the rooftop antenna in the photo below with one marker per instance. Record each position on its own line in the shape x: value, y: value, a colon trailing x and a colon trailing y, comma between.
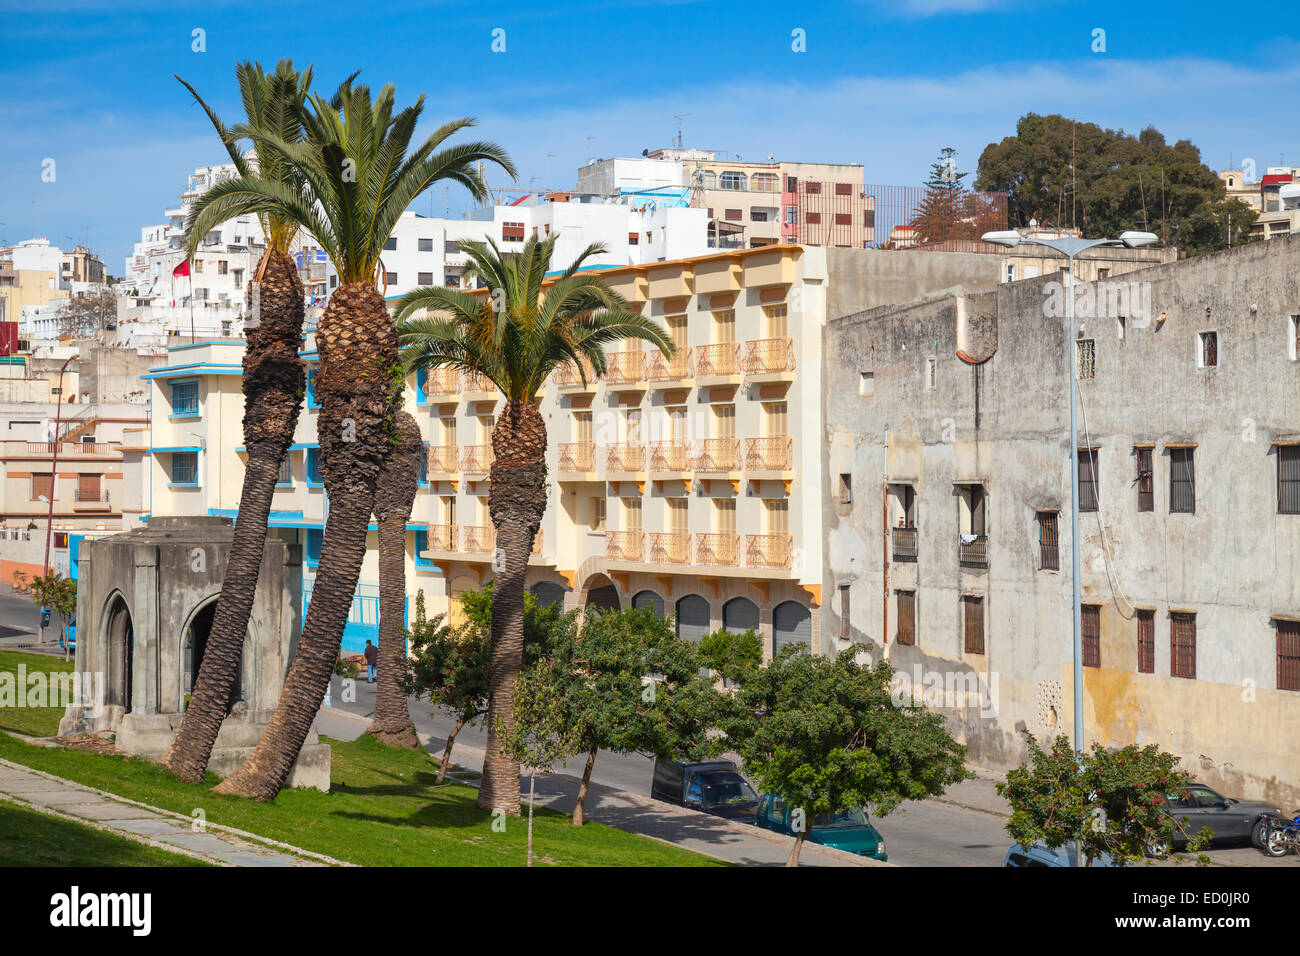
x: 679, y: 117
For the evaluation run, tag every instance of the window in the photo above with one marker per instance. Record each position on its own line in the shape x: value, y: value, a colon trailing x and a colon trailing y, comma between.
x: 1294, y: 337
x: 1087, y: 479
x: 733, y: 180
x: 424, y: 278
x: 1288, y: 479
x: 312, y: 400
x: 421, y: 545
x: 1182, y: 644
x: 844, y: 611
x: 185, y: 468
x: 758, y: 215
x: 1207, y: 350
x: 313, y: 468
x: 1288, y: 655
x: 973, y: 623
x: 512, y: 232
x: 846, y: 489
x: 424, y: 245
x: 598, y: 513
x: 42, y: 487
x: 390, y: 278
x: 791, y: 183
x: 906, y: 618
x: 223, y: 267
x: 765, y: 182
x: 633, y: 238
x: 1146, y: 622
x: 812, y: 189
x: 792, y: 215
x: 390, y: 244
x: 1049, y: 547
x: 1145, y: 482
x: 843, y: 219
x: 185, y: 399
x: 866, y: 383
x: 1121, y: 327
x: 1182, y: 481
x: 422, y: 465
x: 314, y: 538
x: 931, y: 373
x: 285, y: 478
x: 1086, y: 350
x: 1090, y: 628
x: 732, y: 215
x: 813, y: 218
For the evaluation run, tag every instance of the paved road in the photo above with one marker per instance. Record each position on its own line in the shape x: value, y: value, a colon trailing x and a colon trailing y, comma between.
x: 20, y: 619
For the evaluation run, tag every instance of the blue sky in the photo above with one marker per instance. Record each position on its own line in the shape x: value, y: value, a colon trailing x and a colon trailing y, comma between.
x: 887, y: 84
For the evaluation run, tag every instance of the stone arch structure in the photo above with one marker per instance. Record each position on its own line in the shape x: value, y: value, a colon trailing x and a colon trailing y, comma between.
x: 194, y: 636
x: 600, y: 592
x: 791, y: 624
x: 740, y: 614
x: 119, y: 641
x: 692, y: 613
x: 650, y: 599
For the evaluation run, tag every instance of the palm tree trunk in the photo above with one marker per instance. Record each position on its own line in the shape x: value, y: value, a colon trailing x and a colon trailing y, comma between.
x: 582, y: 787
x: 394, y: 496
x: 273, y: 389
x: 446, y: 753
x: 516, y: 503
x: 360, y: 388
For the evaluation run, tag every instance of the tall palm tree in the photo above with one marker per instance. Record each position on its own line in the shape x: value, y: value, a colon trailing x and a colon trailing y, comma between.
x: 272, y: 385
x: 516, y: 335
x: 395, y: 493
x: 358, y: 179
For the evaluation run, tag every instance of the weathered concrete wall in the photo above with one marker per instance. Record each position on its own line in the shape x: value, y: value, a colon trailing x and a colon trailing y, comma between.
x: 111, y: 374
x: 1235, y: 561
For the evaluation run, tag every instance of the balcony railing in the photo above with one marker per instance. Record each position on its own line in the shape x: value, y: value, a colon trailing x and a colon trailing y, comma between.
x: 476, y: 458
x: 625, y: 545
x: 441, y: 381
x: 717, y: 549
x: 442, y: 537
x: 624, y: 367
x: 768, y: 550
x: 567, y: 374
x: 92, y: 496
x: 625, y: 456
x: 769, y: 454
x: 474, y: 382
x: 67, y: 448
x: 721, y: 359
x: 670, y: 548
x: 905, y: 543
x: 974, y: 552
x: 669, y: 456
x: 658, y: 368
x: 716, y: 454
x: 769, y: 355
x: 444, y: 458
x: 479, y: 538
x: 577, y: 456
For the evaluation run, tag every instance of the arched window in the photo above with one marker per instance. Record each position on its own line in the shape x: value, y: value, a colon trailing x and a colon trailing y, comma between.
x: 733, y: 180
x: 708, y: 179
x: 739, y: 614
x: 604, y: 597
x: 692, y: 618
x: 548, y: 593
x: 764, y: 182
x: 791, y: 624
x: 648, y: 599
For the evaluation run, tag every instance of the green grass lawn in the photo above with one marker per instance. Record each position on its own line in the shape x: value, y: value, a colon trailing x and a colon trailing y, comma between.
x: 383, y: 809
x: 30, y: 838
x: 34, y: 721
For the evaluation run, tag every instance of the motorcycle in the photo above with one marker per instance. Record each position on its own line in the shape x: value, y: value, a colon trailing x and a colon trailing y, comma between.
x: 1281, y: 836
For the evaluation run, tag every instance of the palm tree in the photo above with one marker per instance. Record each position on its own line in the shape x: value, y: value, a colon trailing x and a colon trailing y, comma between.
x: 516, y: 336
x: 358, y: 179
x: 272, y: 385
x: 394, y: 495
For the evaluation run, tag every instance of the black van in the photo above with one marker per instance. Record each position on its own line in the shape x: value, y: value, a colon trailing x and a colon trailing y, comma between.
x: 715, y: 787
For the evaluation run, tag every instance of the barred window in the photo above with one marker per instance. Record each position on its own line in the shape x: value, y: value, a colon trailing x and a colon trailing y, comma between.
x: 1086, y: 350
x: 1182, y: 644
x: 973, y: 623
x: 1090, y: 628
x: 1145, y: 480
x: 1182, y: 481
x: 1146, y: 640
x: 185, y: 467
x: 1288, y: 655
x: 1288, y: 479
x: 1049, y: 549
x: 185, y: 398
x: 1088, y: 494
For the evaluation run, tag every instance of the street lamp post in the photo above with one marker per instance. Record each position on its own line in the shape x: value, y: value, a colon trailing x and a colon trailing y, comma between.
x: 1070, y: 247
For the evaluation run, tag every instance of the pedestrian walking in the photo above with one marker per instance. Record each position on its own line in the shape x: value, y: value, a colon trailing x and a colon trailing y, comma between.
x: 372, y: 658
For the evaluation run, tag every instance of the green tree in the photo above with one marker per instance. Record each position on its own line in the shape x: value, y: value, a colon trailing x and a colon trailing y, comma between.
x: 517, y: 334
x: 825, y: 733
x: 1105, y: 801
x: 1106, y: 181
x: 624, y: 682
x: 360, y: 174
x: 733, y: 654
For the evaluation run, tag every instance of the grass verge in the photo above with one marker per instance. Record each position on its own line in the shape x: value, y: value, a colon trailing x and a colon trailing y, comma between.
x: 31, y: 838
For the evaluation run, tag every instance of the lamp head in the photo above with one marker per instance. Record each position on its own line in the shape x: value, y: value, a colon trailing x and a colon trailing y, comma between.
x: 1004, y: 237
x: 1135, y: 239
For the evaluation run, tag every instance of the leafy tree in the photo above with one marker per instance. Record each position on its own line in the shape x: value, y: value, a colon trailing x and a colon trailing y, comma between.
x: 1106, y: 181
x: 515, y: 336
x: 733, y: 654
x: 825, y: 733
x: 623, y: 682
x: 85, y: 314
x: 1104, y: 801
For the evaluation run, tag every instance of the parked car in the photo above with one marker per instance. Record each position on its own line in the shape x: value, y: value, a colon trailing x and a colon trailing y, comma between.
x: 1230, y: 819
x: 1039, y: 854
x: 714, y: 787
x: 848, y: 830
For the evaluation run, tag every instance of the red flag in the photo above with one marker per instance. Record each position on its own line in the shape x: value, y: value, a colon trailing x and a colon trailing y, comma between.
x: 183, y: 269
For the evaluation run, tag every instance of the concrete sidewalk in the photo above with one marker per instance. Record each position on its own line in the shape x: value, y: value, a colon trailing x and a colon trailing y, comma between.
x: 223, y: 846
x: 737, y: 843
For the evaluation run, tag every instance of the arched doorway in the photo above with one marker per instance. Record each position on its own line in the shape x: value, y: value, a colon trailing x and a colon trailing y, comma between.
x: 548, y: 593
x: 120, y: 641
x: 194, y: 643
x: 692, y: 618
x: 601, y: 594
x: 739, y: 615
x: 791, y: 625
x: 644, y: 599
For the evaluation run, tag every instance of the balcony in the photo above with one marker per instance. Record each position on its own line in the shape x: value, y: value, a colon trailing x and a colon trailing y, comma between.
x: 479, y: 539
x: 768, y: 550
x: 716, y: 454
x: 669, y: 456
x: 680, y: 367
x: 625, y: 545
x: 769, y: 454
x: 472, y: 383
x: 973, y: 550
x: 670, y: 548
x: 442, y: 537
x: 444, y: 459
x: 714, y: 360
x: 476, y: 458
x: 566, y: 377
x: 625, y: 370
x: 441, y: 382
x: 718, y: 549
x: 768, y: 356
x: 905, y: 543
x: 625, y: 456
x: 577, y: 456
x: 92, y: 499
